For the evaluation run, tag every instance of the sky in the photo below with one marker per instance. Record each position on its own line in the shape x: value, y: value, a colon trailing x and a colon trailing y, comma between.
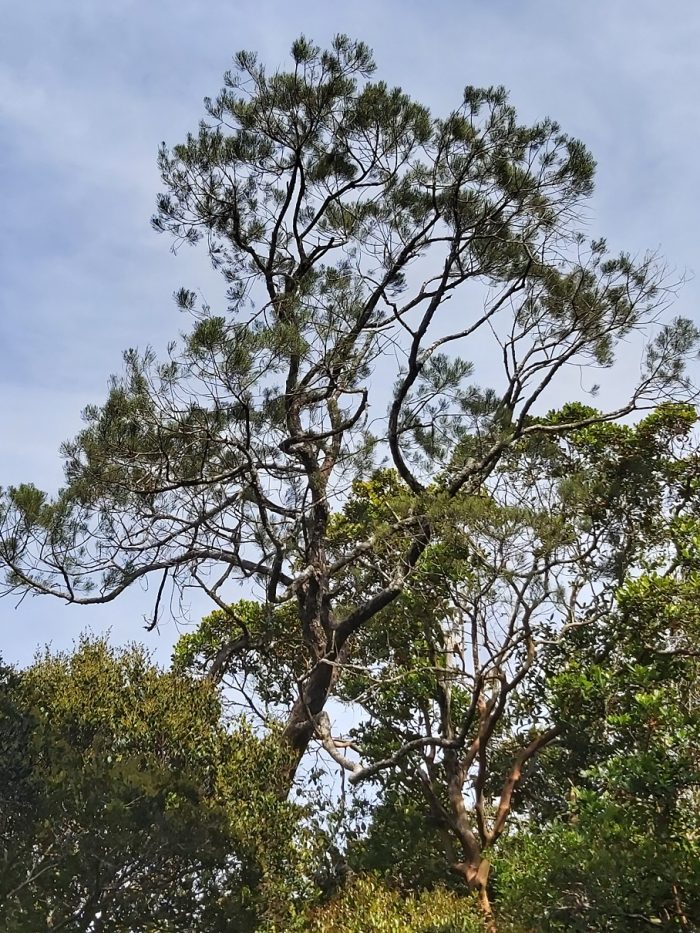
x: 88, y: 90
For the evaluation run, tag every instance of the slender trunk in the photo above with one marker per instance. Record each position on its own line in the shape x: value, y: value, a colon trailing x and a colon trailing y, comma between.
x: 474, y: 870
x: 475, y: 874
x: 490, y: 924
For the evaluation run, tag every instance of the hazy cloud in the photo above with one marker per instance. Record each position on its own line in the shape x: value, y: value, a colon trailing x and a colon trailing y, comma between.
x: 88, y: 90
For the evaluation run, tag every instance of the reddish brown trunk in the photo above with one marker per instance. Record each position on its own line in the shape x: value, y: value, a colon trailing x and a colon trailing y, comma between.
x: 475, y: 868
x: 476, y: 876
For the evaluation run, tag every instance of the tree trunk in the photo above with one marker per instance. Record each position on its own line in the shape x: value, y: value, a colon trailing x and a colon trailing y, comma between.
x: 299, y: 729
x: 476, y: 876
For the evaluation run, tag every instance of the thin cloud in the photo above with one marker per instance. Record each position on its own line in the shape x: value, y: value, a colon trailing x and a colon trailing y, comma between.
x: 88, y: 91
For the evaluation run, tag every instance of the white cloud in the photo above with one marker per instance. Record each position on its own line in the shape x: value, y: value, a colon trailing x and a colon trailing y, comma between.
x: 88, y: 90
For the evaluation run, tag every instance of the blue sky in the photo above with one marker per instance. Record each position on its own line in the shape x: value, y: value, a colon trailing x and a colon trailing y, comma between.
x: 88, y: 90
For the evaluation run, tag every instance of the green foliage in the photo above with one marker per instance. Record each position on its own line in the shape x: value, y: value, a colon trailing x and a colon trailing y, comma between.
x: 251, y: 637
x: 508, y: 607
x: 623, y: 852
x: 605, y: 869
x: 129, y: 801
x: 369, y: 906
x: 126, y: 769
x: 402, y: 844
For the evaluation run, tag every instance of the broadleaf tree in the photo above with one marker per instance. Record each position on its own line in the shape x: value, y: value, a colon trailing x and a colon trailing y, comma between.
x: 371, y: 252
x: 545, y: 656
x: 611, y: 840
x: 130, y: 803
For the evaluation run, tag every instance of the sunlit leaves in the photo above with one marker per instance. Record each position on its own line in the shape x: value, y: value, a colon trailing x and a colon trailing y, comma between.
x: 132, y: 799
